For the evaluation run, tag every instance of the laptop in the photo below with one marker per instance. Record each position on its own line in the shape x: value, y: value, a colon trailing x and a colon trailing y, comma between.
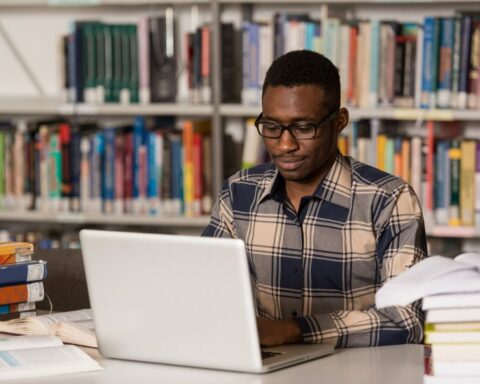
x: 180, y: 300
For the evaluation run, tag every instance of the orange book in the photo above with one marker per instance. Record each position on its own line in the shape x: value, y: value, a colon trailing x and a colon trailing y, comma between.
x: 188, y: 176
x: 30, y: 292
x: 15, y: 251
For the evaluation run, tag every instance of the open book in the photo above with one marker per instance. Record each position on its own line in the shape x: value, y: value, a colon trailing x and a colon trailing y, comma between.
x: 34, y: 356
x: 75, y: 327
x: 431, y: 276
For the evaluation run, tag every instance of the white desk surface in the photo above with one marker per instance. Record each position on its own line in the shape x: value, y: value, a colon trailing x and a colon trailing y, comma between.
x: 399, y: 364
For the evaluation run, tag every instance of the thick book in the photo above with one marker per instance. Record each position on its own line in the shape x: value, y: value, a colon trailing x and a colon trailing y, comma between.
x: 35, y: 356
x: 19, y: 293
x: 433, y: 275
x: 75, y: 327
x: 15, y: 251
x: 450, y: 315
x: 16, y: 307
x: 23, y: 272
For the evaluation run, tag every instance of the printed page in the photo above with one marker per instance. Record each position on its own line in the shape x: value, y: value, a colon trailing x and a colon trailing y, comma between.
x: 8, y: 342
x: 75, y: 327
x: 45, y: 361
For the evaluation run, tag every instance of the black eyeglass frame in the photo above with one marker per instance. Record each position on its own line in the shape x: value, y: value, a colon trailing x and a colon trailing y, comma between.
x: 290, y: 127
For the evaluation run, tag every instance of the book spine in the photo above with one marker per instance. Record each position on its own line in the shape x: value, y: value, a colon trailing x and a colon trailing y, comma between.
x: 22, y: 272
x: 153, y: 173
x: 76, y: 158
x: 188, y: 176
x: 17, y: 307
x: 455, y: 155
x: 31, y: 292
x: 467, y: 186
x: 445, y: 69
x: 85, y: 174
x: 441, y: 164
x: 474, y: 66
x: 457, y: 43
x: 374, y: 63
x: 144, y: 60
x: 428, y: 61
x: 55, y: 173
x: 138, y: 144
x: 65, y: 148
x: 464, y: 61
x: 119, y: 174
x: 108, y: 170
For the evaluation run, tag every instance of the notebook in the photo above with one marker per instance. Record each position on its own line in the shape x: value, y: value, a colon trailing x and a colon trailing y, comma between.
x: 180, y: 300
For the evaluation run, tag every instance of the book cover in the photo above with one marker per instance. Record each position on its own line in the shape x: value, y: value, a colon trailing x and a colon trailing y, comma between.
x: 30, y: 292
x: 23, y: 272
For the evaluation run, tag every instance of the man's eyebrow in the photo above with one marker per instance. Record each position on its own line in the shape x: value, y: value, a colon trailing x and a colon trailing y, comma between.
x: 293, y: 120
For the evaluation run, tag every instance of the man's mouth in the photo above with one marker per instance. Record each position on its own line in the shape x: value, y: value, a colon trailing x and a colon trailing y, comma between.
x: 289, y: 163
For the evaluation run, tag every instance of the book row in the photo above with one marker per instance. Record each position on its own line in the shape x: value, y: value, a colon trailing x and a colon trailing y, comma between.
x: 132, y: 63
x: 133, y: 169
x: 433, y: 64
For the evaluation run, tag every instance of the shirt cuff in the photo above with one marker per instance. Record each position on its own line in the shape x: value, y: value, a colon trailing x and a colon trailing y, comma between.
x: 318, y: 329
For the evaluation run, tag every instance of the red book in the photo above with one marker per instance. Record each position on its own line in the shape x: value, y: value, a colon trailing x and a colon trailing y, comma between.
x: 30, y: 292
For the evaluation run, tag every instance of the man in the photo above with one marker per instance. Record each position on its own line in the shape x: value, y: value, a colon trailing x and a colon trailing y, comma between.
x: 323, y: 232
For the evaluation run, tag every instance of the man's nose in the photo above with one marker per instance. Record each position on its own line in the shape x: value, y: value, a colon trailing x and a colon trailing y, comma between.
x: 287, y: 141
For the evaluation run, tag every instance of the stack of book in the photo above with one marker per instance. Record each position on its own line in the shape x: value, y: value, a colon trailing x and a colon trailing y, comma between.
x: 21, y: 280
x: 451, y: 298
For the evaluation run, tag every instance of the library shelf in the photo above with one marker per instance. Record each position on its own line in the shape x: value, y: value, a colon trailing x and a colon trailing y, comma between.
x: 48, y: 107
x: 242, y: 110
x: 103, y: 219
x: 93, y: 3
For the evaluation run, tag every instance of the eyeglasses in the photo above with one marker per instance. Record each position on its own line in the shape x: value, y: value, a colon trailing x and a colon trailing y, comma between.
x: 300, y: 130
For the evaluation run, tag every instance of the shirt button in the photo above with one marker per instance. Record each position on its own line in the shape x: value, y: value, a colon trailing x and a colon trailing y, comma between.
x: 294, y: 314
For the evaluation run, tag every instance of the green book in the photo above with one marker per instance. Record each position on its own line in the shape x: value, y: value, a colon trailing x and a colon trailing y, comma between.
x: 117, y: 63
x: 55, y: 168
x: 89, y: 62
x: 455, y: 156
x: 124, y: 93
x: 109, y: 62
x: 134, y: 65
x: 99, y: 34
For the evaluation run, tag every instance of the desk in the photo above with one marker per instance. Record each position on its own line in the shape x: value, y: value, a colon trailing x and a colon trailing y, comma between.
x: 398, y: 364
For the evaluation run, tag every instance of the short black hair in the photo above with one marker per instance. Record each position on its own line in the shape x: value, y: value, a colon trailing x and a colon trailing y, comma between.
x: 305, y: 68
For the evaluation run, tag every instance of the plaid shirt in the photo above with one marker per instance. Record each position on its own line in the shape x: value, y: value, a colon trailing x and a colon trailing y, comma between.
x: 324, y: 265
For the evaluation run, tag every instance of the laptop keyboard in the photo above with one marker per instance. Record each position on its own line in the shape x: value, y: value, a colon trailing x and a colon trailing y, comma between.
x: 269, y: 354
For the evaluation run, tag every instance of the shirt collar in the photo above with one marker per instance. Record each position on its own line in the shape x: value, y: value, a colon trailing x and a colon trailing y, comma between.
x: 336, y: 186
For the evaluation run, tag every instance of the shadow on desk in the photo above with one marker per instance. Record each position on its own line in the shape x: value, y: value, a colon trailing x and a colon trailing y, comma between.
x: 65, y: 283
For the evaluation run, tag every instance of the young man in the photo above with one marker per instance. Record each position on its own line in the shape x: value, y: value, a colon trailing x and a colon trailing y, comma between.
x: 323, y: 232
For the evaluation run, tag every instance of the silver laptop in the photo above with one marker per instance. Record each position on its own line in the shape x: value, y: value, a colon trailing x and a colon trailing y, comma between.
x: 179, y: 300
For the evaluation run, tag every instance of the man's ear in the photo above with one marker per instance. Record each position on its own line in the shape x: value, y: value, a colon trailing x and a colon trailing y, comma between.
x: 342, y: 119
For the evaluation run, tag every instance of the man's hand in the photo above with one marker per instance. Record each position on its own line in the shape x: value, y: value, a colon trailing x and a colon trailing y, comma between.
x: 278, y: 332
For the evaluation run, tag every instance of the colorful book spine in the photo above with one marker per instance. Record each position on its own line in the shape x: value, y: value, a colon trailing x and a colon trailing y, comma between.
x: 31, y: 292
x: 447, y: 36
x: 455, y: 156
x: 467, y: 185
x: 23, y: 272
x: 18, y: 307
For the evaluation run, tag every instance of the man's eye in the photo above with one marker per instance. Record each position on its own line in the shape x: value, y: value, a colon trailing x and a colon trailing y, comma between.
x: 271, y: 127
x: 304, y: 128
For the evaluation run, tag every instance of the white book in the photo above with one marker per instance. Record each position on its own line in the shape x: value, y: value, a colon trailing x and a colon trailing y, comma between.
x: 456, y: 368
x: 34, y: 356
x: 452, y: 300
x: 433, y: 275
x: 456, y: 352
x: 427, y: 379
x: 442, y: 337
x: 449, y: 315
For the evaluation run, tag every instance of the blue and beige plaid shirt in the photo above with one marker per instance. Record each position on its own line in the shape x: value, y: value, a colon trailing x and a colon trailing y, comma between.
x: 324, y: 265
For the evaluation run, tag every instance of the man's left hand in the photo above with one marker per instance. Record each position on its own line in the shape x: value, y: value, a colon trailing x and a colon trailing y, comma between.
x: 278, y: 332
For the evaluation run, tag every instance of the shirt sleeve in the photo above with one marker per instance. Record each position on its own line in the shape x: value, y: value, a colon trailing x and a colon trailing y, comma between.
x: 221, y: 219
x: 401, y: 243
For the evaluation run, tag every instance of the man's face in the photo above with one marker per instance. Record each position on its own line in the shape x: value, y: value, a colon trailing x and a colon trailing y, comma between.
x: 302, y: 161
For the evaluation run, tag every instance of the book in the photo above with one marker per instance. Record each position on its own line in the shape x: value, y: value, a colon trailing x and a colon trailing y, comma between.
x: 452, y: 300
x: 74, y: 327
x: 35, y: 356
x: 442, y: 337
x: 449, y: 315
x: 30, y: 292
x: 23, y: 272
x: 16, y: 307
x: 14, y: 252
x: 433, y: 275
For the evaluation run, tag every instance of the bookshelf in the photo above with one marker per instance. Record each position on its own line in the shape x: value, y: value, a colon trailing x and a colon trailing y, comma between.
x: 220, y: 114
